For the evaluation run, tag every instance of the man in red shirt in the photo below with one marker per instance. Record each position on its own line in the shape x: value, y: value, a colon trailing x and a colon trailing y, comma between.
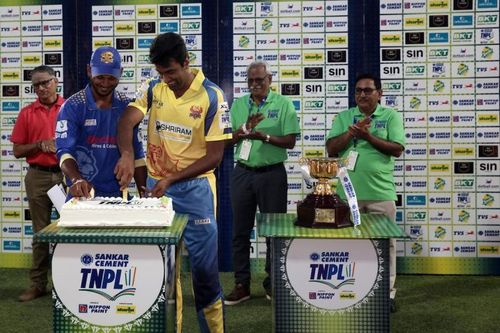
x: 33, y: 138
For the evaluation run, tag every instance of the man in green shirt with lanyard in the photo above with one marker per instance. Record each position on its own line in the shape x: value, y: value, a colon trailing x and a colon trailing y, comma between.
x: 370, y: 136
x: 265, y: 125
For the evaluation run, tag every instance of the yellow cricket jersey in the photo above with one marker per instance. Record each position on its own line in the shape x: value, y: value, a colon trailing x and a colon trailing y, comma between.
x: 178, y: 128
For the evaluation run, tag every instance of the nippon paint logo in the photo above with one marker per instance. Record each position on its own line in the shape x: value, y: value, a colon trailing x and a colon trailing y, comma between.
x: 53, y: 28
x: 124, y: 12
x: 388, y: 21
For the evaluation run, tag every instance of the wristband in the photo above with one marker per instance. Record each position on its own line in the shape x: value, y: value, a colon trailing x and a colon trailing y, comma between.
x: 39, y: 145
x: 244, y: 128
x: 268, y: 138
x: 75, y: 181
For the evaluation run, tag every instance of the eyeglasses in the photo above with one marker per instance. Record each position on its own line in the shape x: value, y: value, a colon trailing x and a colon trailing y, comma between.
x: 44, y: 83
x: 257, y: 80
x: 367, y: 91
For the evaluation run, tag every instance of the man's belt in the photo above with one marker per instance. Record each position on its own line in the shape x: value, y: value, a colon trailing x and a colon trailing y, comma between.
x: 53, y: 169
x: 264, y: 168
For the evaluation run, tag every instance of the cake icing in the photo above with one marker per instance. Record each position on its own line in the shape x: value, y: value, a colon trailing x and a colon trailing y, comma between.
x: 116, y: 212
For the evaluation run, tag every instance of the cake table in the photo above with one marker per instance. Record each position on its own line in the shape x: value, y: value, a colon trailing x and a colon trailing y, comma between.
x: 114, y: 279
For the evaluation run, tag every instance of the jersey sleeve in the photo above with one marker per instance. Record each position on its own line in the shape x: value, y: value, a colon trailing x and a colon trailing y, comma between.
x: 68, y: 129
x: 291, y: 122
x: 218, y: 119
x: 396, y: 129
x: 141, y: 97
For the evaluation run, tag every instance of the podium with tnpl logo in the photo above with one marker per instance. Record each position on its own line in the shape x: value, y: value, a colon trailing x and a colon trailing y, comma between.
x: 114, y: 279
x: 329, y: 280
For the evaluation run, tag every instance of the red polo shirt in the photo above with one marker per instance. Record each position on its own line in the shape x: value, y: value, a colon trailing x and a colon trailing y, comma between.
x: 36, y: 123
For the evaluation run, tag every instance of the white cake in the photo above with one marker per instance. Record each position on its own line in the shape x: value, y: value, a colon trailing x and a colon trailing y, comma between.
x: 115, y: 212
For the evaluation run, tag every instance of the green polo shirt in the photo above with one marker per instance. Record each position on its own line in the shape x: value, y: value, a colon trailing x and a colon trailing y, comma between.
x: 372, y: 177
x: 280, y: 119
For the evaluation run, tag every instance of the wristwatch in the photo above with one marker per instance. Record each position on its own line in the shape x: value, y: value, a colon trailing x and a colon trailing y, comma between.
x: 268, y: 138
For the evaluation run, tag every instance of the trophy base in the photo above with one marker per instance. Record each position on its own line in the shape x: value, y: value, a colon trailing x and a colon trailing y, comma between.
x: 323, y: 211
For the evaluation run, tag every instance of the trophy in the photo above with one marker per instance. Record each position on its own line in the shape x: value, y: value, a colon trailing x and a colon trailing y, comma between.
x: 322, y: 208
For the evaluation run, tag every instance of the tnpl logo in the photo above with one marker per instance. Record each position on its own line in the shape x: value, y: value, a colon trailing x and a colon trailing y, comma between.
x: 97, y: 280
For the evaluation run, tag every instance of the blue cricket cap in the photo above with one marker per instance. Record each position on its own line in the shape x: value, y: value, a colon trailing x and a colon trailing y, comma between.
x: 106, y: 61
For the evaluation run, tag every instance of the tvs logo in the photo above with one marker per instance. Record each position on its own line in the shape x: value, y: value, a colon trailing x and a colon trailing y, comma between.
x: 195, y: 111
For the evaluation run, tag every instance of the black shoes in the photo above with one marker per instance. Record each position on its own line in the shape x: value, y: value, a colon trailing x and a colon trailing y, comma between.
x: 239, y: 294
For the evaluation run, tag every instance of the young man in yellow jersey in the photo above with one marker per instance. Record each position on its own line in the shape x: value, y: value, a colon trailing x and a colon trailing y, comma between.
x: 188, y: 125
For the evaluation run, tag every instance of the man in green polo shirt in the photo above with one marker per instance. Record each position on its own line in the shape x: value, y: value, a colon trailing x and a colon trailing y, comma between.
x: 265, y: 125
x: 371, y: 137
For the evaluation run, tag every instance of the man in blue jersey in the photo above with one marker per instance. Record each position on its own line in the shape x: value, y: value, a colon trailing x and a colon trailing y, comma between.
x: 86, y: 131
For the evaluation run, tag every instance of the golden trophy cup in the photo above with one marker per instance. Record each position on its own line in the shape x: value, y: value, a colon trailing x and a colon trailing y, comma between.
x: 322, y: 208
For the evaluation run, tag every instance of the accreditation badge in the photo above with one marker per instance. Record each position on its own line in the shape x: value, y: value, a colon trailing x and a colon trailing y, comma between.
x: 351, y: 160
x: 246, y: 146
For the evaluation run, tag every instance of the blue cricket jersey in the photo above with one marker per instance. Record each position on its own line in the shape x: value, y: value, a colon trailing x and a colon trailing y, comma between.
x: 89, y: 135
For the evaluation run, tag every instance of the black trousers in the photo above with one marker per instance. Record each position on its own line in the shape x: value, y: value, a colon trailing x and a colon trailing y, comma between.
x: 265, y: 188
